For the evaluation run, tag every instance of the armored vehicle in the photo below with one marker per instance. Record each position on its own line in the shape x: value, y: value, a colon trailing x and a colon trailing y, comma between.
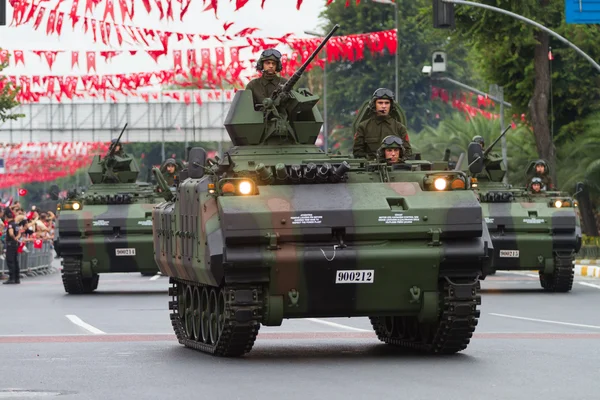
x: 108, y: 228
x: 530, y: 231
x: 279, y: 229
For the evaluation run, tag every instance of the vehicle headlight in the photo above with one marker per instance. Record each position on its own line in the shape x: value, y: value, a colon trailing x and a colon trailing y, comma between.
x: 440, y: 183
x: 245, y: 187
x: 76, y: 206
x: 558, y: 204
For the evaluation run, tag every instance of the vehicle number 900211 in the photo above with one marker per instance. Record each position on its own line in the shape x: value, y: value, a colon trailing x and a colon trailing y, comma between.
x: 355, y: 276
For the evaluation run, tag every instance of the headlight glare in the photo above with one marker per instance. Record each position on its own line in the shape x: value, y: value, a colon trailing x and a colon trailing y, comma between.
x: 245, y: 187
x: 440, y: 184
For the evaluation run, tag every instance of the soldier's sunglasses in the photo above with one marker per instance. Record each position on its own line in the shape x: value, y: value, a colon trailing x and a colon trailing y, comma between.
x: 272, y: 52
x: 383, y: 93
x: 392, y: 140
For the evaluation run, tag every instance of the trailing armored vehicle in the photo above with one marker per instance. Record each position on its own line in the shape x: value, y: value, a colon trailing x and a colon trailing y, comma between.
x: 278, y: 229
x: 108, y: 228
x: 530, y: 231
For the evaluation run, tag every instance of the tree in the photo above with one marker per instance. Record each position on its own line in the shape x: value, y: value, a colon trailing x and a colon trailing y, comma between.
x: 352, y: 82
x: 8, y: 94
x: 456, y: 133
x: 515, y: 55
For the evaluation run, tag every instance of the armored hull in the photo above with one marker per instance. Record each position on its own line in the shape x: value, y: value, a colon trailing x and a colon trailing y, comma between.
x: 530, y: 232
x: 405, y: 255
x: 110, y: 231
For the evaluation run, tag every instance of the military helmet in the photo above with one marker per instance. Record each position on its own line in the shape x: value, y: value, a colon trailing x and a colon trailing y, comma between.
x: 537, y: 180
x: 383, y: 94
x: 478, y: 139
x: 541, y: 162
x: 269, y: 54
x: 389, y: 142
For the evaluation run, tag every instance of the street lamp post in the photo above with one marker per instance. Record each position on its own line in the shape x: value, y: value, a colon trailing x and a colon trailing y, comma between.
x: 325, y: 124
x: 395, y: 4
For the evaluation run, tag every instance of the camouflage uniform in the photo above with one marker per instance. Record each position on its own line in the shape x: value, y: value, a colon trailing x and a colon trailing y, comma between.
x: 371, y: 132
x: 264, y: 86
x: 170, y: 178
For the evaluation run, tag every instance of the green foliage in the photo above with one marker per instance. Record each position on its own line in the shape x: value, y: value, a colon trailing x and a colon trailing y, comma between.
x: 504, y: 55
x: 352, y: 82
x: 7, y: 96
x: 579, y: 160
x: 456, y: 133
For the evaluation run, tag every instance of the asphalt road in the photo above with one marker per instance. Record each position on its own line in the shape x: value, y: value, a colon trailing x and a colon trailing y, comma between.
x: 118, y: 344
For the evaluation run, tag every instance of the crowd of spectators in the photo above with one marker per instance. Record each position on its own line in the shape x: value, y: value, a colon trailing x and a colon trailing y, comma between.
x: 36, y: 226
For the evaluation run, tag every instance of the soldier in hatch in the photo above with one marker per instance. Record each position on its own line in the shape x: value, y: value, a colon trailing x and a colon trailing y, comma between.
x: 269, y: 65
x: 541, y: 171
x: 492, y: 161
x: 371, y: 132
x: 391, y: 150
x: 169, y: 171
x: 536, y: 185
x: 118, y: 148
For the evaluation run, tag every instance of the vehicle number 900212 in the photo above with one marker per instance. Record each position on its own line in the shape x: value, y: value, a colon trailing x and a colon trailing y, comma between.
x: 355, y: 276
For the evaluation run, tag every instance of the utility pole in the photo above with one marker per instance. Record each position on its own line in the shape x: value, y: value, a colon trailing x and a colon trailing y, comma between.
x: 325, y: 124
x: 396, y: 12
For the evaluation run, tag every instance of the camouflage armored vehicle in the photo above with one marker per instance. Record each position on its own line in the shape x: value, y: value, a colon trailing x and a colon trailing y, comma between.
x: 279, y: 229
x: 530, y: 231
x: 108, y: 228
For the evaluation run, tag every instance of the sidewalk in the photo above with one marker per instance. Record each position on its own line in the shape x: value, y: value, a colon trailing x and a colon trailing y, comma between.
x: 586, y: 267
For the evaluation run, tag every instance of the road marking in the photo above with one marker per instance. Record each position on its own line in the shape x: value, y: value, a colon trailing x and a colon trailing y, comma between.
x: 155, y: 277
x: 546, y: 321
x: 333, y: 324
x: 589, y: 284
x: 77, y: 321
x: 533, y: 275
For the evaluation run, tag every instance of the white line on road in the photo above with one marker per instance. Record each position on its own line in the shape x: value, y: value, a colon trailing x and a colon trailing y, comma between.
x: 333, y: 324
x: 546, y: 321
x: 155, y: 277
x: 533, y: 275
x: 589, y: 284
x: 77, y: 321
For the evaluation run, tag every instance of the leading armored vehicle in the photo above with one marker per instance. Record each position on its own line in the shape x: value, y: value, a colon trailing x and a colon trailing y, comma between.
x: 278, y: 229
x: 108, y: 228
x: 539, y: 232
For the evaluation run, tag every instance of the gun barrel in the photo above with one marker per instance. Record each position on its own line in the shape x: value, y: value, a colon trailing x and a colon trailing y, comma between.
x: 496, y: 141
x: 294, y: 79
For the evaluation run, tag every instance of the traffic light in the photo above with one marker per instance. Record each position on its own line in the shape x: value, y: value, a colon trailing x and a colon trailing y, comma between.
x: 2, y: 12
x: 443, y: 14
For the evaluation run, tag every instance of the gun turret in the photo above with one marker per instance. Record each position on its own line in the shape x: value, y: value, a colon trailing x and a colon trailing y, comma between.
x: 113, y: 167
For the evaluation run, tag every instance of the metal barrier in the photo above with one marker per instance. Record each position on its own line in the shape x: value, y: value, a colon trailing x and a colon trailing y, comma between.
x: 33, y: 262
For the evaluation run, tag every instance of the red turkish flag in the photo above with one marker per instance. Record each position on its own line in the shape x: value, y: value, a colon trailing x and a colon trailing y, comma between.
x: 177, y: 59
x: 91, y: 60
x: 191, y: 58
x: 51, y: 57
x: 74, y: 59
x: 234, y: 53
x: 37, y: 243
x: 50, y: 23
x: 59, y: 22
x: 22, y: 192
x: 220, y: 51
x: 3, y: 56
x: 240, y: 3
x: 109, y: 10
x: 38, y: 19
x: 205, y: 57
x: 21, y: 246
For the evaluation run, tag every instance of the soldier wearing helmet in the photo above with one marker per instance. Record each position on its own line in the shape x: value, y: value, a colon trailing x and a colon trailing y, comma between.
x: 479, y: 139
x: 269, y: 65
x: 391, y: 150
x: 371, y: 132
x: 169, y: 171
x: 118, y: 148
x: 541, y: 171
x: 536, y: 185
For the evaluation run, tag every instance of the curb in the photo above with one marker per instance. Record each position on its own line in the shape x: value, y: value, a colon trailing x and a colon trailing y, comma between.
x: 587, y: 270
x: 587, y: 261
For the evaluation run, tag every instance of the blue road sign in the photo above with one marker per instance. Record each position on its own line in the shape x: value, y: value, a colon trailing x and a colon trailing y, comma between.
x: 582, y: 11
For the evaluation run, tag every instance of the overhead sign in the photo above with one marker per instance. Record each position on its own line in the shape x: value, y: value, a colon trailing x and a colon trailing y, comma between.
x: 582, y: 11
